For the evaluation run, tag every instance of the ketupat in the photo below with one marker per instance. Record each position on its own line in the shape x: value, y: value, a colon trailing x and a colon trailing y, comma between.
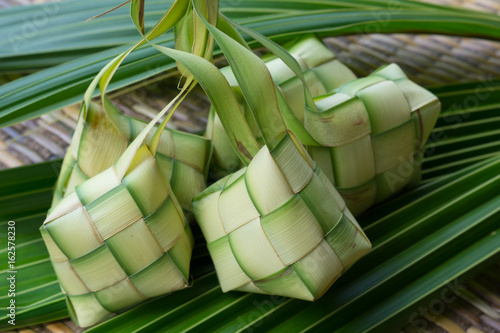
x: 120, y: 237
x: 278, y: 226
x: 371, y: 133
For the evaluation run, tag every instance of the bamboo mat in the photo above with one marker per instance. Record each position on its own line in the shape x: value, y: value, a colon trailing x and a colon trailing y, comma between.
x: 427, y: 59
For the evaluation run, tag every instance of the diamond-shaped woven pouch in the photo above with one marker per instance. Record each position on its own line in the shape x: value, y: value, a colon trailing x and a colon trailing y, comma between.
x: 119, y: 243
x: 371, y: 132
x: 279, y: 226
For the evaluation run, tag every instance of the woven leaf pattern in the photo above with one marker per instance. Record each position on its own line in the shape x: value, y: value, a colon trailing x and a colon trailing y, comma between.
x: 317, y: 63
x: 118, y: 245
x: 182, y: 157
x: 371, y: 132
x: 287, y: 234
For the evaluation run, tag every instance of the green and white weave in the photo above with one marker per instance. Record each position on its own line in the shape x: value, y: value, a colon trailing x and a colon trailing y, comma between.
x: 322, y: 73
x: 279, y: 226
x: 117, y: 240
x: 371, y: 132
x: 183, y: 158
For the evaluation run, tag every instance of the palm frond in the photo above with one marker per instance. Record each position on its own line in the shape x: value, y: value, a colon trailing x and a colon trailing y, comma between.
x: 449, y: 219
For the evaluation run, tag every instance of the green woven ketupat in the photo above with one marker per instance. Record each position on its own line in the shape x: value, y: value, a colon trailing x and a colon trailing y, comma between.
x: 182, y: 158
x: 118, y: 237
x: 118, y: 240
x: 322, y: 73
x: 371, y: 132
x: 279, y: 226
x: 116, y: 233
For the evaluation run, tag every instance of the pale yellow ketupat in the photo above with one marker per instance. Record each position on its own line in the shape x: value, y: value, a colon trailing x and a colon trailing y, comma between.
x: 279, y: 226
x: 120, y: 237
x: 117, y: 236
x: 371, y: 133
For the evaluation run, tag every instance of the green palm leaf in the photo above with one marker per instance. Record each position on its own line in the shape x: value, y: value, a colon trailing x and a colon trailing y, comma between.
x: 65, y: 35
x: 422, y: 240
x: 446, y: 220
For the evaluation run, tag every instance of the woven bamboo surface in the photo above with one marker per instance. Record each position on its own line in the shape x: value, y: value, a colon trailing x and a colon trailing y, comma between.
x: 427, y: 59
